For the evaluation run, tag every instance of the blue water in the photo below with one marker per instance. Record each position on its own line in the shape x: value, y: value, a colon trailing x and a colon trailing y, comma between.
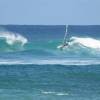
x: 33, y: 68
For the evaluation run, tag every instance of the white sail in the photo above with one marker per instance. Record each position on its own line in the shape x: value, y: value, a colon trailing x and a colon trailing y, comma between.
x: 65, y: 36
x: 64, y: 44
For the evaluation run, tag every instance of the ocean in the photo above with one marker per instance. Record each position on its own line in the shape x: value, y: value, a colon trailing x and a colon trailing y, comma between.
x: 33, y: 68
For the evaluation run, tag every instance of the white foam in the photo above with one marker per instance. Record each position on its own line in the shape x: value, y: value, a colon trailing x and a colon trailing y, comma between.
x: 50, y: 62
x: 55, y: 93
x: 12, y: 38
x: 88, y: 42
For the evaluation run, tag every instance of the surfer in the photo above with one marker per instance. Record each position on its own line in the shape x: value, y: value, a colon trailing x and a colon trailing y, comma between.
x: 65, y: 43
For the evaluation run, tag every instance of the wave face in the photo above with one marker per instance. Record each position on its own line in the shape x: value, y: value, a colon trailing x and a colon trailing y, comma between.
x: 41, y: 42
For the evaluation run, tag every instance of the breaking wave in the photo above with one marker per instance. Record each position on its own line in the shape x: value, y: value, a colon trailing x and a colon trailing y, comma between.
x: 11, y: 41
x: 86, y: 42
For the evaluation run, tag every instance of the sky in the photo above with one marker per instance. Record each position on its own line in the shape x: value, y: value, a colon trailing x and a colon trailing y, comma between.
x: 50, y: 12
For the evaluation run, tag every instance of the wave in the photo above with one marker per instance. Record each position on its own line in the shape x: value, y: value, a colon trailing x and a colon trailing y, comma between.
x: 82, y: 47
x: 78, y: 46
x: 11, y: 41
x: 12, y: 38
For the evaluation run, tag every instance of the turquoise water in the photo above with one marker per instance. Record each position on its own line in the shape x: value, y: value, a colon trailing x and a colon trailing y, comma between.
x: 33, y: 68
x: 49, y: 82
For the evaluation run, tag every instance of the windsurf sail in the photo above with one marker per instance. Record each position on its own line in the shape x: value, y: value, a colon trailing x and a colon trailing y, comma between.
x: 64, y: 40
x: 65, y: 36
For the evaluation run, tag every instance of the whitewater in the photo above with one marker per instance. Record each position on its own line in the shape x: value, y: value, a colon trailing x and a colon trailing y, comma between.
x: 87, y: 42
